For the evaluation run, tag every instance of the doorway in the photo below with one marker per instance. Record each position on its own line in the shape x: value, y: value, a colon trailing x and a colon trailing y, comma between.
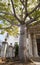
x: 38, y: 46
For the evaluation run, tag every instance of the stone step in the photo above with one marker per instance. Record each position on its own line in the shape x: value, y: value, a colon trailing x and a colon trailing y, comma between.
x: 36, y: 59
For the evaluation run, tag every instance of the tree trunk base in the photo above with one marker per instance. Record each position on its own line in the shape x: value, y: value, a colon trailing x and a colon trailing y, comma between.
x: 27, y: 60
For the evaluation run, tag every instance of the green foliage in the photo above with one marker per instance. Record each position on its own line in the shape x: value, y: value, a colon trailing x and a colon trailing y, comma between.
x: 16, y: 49
x: 5, y: 6
x: 0, y: 25
x: 2, y: 32
x: 12, y: 31
x: 36, y: 13
x: 31, y: 4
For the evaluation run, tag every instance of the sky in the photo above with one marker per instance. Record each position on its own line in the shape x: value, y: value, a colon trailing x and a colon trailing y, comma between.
x: 10, y: 39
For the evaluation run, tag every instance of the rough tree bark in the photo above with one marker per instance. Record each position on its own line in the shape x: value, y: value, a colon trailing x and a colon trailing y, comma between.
x: 22, y: 43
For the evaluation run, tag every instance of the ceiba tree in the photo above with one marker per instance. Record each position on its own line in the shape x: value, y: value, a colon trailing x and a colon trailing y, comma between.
x: 21, y: 13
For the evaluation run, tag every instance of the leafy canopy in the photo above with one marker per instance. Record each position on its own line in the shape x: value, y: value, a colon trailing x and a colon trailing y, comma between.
x: 15, y: 12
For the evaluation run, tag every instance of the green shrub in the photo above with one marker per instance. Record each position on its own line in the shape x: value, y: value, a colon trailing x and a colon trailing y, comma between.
x: 16, y: 49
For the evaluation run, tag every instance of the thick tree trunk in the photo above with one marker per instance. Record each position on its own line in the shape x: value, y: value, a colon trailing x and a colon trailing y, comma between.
x: 22, y: 43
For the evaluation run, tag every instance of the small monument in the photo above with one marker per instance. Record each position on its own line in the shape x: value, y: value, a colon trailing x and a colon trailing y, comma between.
x: 11, y: 51
x: 4, y: 48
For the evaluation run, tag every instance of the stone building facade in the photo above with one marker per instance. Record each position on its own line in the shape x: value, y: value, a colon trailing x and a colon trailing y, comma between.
x: 34, y: 41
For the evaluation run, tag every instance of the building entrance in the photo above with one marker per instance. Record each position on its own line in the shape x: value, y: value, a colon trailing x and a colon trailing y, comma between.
x: 38, y: 46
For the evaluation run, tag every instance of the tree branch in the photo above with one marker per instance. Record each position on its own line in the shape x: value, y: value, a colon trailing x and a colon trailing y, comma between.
x: 14, y: 11
x: 7, y: 13
x: 26, y: 6
x: 27, y: 14
x: 13, y: 7
x: 11, y: 22
x: 6, y: 19
x: 32, y: 20
x: 34, y: 9
x: 34, y: 24
x: 22, y: 2
x: 30, y: 17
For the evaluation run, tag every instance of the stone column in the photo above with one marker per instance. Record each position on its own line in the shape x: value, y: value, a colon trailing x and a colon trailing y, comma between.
x: 30, y: 45
x: 27, y: 47
x: 35, y: 51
